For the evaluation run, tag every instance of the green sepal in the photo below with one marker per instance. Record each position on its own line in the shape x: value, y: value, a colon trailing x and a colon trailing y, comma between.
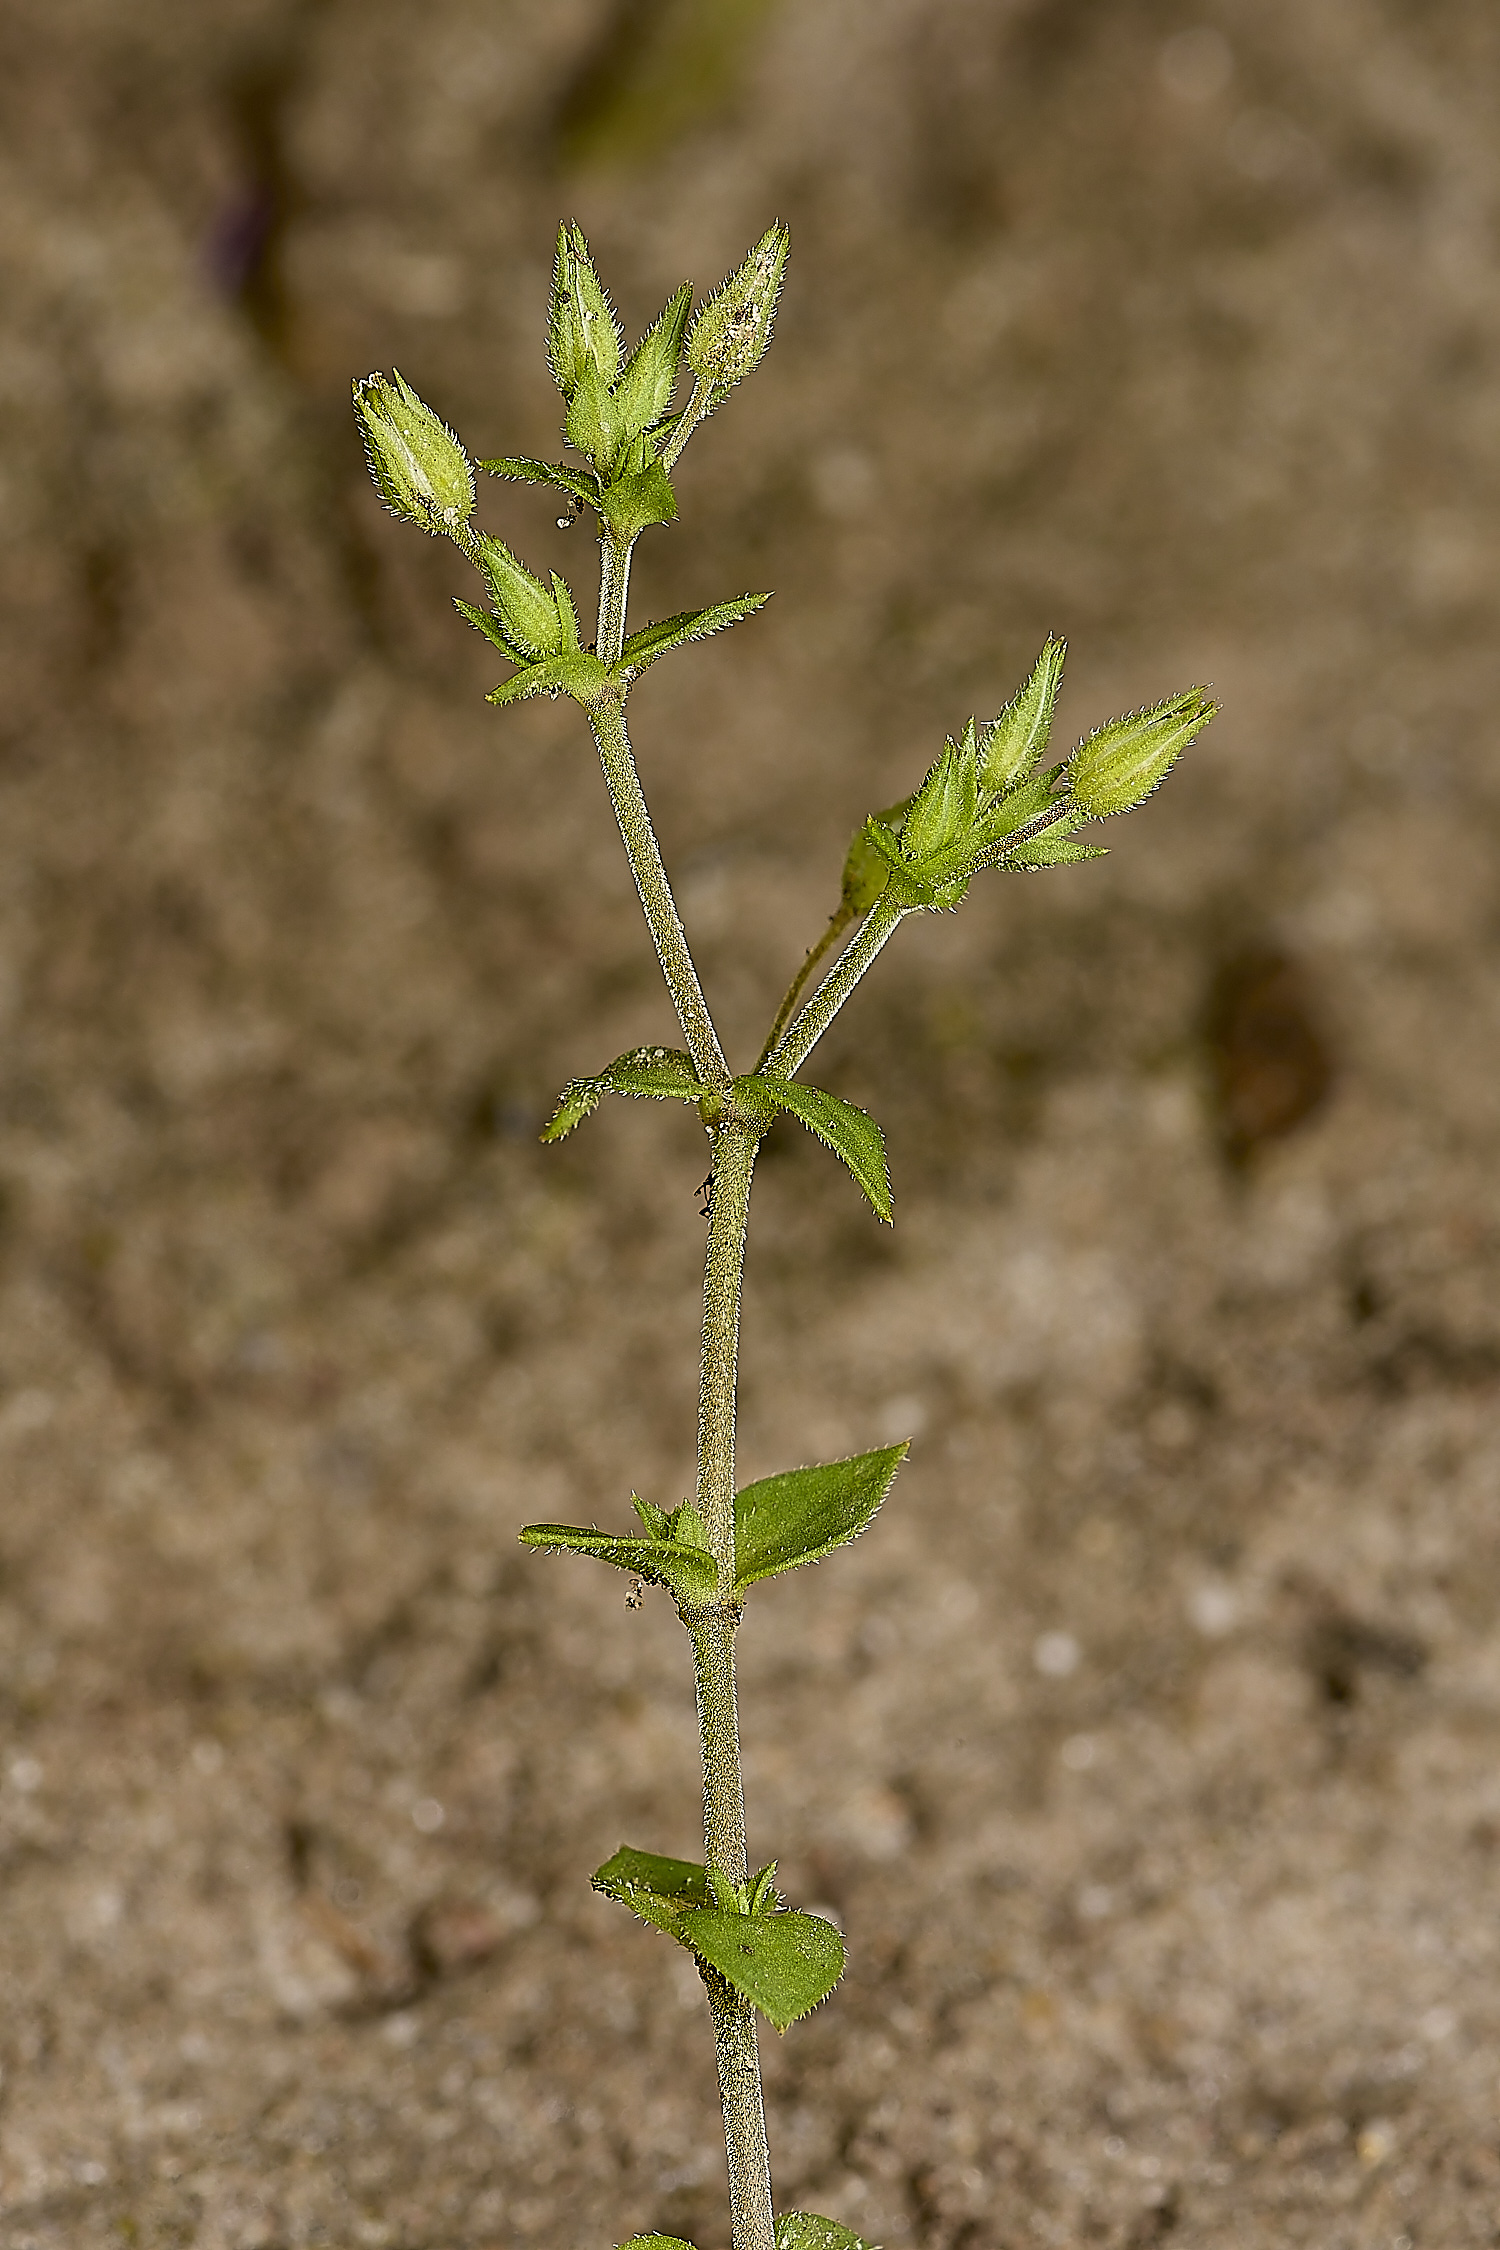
x: 582, y: 483
x: 783, y: 1963
x: 733, y: 328
x: 652, y: 1073
x: 420, y: 469
x: 808, y: 2230
x: 1018, y: 806
x: 1120, y: 764
x: 1054, y: 846
x: 944, y: 808
x: 656, y: 1889
x: 491, y: 628
x: 666, y: 2242
x: 652, y: 641
x: 851, y: 1133
x: 1010, y: 746
x: 801, y: 1515
x: 679, y: 1565
x: 576, y: 672
x: 524, y: 606
x: 644, y: 390
x: 638, y: 497
x: 582, y: 331
x: 590, y: 424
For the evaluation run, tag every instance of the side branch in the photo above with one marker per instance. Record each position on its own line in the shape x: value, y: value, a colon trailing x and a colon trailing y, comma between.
x: 802, y: 1035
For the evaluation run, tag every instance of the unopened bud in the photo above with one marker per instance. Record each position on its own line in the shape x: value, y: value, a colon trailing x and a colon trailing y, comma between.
x: 733, y: 329
x: 582, y: 331
x: 420, y: 470
x: 1011, y: 745
x: 1120, y: 764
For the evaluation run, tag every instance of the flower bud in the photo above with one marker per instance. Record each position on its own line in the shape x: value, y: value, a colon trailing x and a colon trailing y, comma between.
x: 420, y: 470
x: 733, y: 329
x: 582, y: 331
x: 1120, y: 764
x: 1011, y: 745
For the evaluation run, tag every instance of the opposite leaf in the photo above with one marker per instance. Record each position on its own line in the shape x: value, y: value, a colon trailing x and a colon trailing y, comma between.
x: 851, y: 1133
x: 652, y: 641
x: 806, y: 2230
x: 784, y: 1964
x: 685, y: 1570
x: 803, y: 1514
x: 652, y: 1073
x: 657, y: 1890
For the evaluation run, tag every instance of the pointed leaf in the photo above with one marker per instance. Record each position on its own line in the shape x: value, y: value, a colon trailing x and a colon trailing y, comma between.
x: 672, y: 2242
x: 652, y: 641
x: 783, y: 1963
x: 686, y: 1571
x: 653, y: 1073
x: 524, y: 606
x: 656, y: 1889
x: 851, y: 1133
x: 490, y: 627
x: 1011, y: 745
x: 644, y: 391
x: 582, y: 483
x: 803, y: 1514
x: 806, y: 2230
x: 576, y: 672
x: 638, y: 497
x: 567, y: 615
x: 942, y: 811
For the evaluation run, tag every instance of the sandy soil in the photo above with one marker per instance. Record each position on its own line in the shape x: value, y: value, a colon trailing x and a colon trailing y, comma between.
x: 1147, y: 1748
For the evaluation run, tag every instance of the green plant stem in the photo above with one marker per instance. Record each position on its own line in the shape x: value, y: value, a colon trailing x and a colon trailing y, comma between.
x: 614, y: 589
x: 607, y: 718
x: 691, y: 418
x: 837, y: 924
x: 713, y: 1631
x: 802, y: 1035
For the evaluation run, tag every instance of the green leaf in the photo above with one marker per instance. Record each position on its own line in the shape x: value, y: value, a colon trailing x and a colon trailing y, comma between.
x: 801, y: 1515
x: 806, y: 2230
x: 652, y: 1073
x: 1010, y: 746
x: 657, y: 1890
x: 652, y: 641
x: 638, y: 497
x: 866, y: 869
x: 490, y: 627
x: 567, y: 615
x: 644, y: 391
x: 684, y: 1569
x: 576, y: 672
x: 582, y: 483
x: 665, y: 2242
x: 524, y: 606
x: 1119, y: 765
x: 851, y: 1133
x: 783, y: 1963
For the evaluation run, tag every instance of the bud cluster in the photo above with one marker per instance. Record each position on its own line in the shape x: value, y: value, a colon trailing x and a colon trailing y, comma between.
x: 985, y: 804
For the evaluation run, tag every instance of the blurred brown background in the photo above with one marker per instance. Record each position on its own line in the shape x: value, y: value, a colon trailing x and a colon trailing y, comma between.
x: 1147, y: 1747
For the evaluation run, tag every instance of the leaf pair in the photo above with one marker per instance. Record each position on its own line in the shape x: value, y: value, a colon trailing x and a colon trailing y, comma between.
x: 667, y: 1074
x: 780, y: 1522
x: 795, y: 2230
x: 783, y: 1962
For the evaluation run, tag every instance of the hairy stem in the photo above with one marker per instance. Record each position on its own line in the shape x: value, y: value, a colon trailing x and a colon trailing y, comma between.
x: 614, y: 588
x: 607, y: 719
x: 685, y: 428
x: 802, y: 1035
x: 713, y: 1631
x: 837, y: 924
